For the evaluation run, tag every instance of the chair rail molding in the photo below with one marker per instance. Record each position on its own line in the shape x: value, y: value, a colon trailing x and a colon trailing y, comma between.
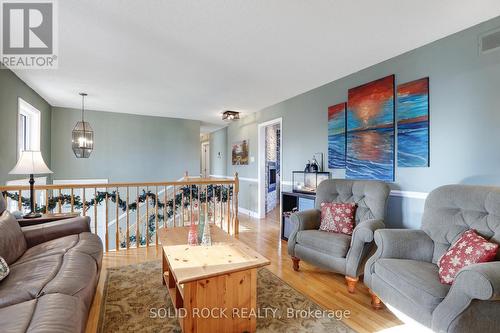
x: 409, y: 194
x: 252, y: 180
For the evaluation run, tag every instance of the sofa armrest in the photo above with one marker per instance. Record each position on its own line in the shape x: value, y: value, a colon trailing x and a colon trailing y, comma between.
x: 37, y: 234
x: 361, y: 240
x: 305, y: 220
x: 475, y: 282
x: 399, y: 244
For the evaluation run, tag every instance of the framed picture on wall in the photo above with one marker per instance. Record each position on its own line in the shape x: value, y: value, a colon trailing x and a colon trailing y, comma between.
x: 370, y: 130
x: 337, y: 136
x: 413, y: 123
x: 239, y: 153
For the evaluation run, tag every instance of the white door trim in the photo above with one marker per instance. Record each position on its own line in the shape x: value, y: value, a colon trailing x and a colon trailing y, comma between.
x: 261, y: 130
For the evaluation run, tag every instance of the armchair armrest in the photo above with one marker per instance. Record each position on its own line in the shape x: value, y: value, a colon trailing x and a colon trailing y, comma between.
x: 305, y: 220
x: 362, y: 236
x: 37, y: 234
x: 478, y: 281
x: 404, y: 244
x: 399, y: 244
x: 364, y: 231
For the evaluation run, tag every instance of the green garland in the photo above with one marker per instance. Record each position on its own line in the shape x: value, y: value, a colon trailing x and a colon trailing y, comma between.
x: 212, y: 193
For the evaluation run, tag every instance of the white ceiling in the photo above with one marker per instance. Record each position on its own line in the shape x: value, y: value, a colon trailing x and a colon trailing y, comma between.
x: 193, y: 59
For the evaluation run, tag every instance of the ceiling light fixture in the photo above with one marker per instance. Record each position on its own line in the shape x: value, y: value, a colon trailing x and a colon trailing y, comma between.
x: 230, y: 115
x: 82, y: 136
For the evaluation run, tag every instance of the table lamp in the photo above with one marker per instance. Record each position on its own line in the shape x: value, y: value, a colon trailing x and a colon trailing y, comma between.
x: 31, y: 163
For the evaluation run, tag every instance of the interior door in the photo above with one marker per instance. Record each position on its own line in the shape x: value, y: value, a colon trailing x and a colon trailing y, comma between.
x: 205, y: 160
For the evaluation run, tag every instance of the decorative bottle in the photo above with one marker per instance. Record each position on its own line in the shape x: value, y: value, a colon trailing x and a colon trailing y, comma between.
x: 193, y: 234
x: 314, y: 165
x: 206, y: 240
x: 201, y: 226
x: 308, y: 167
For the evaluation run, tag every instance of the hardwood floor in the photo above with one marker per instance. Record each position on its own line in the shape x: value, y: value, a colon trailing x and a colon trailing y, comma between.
x: 325, y: 288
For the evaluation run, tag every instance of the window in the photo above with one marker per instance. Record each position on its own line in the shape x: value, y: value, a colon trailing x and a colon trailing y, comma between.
x: 28, y: 127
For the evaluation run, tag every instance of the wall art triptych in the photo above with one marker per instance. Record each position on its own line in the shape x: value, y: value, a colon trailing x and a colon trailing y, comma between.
x: 336, y: 136
x: 413, y: 123
x: 361, y: 132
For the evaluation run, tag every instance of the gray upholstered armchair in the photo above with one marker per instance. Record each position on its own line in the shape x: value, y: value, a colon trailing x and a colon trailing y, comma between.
x: 404, y: 274
x: 334, y: 251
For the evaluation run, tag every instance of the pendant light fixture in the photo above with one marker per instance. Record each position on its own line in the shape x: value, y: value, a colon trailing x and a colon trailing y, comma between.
x: 82, y: 137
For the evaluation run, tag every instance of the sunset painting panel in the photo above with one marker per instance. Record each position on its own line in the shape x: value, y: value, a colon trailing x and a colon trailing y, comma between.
x: 413, y: 123
x: 370, y: 131
x: 336, y: 136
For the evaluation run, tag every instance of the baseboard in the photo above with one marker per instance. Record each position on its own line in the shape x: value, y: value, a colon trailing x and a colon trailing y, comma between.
x: 248, y: 212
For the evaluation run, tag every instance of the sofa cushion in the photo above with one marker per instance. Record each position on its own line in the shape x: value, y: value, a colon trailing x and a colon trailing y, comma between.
x: 59, y: 313
x: 330, y: 243
x: 55, y: 246
x: 77, y: 277
x: 51, y: 313
x: 16, y: 318
x: 12, y: 241
x: 90, y: 244
x: 417, y: 280
x: 71, y: 267
x: 26, y: 280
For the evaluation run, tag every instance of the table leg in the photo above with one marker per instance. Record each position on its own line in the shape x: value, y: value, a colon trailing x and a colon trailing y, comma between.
x: 164, y: 267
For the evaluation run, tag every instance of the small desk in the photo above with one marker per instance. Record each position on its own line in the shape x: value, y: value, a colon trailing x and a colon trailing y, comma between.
x: 221, y: 278
x: 46, y: 218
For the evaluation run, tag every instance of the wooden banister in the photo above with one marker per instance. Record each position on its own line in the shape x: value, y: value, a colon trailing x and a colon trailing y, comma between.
x: 178, y: 206
x: 190, y: 181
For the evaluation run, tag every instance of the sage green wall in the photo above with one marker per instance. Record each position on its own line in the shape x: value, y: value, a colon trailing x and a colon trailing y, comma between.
x: 465, y: 120
x: 11, y: 87
x: 218, y: 143
x: 127, y: 147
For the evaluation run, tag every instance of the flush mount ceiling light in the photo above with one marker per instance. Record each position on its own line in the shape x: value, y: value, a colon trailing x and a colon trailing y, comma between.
x: 82, y: 136
x: 230, y: 115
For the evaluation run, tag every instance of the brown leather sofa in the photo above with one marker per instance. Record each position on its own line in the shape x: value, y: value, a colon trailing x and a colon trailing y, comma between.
x: 54, y: 270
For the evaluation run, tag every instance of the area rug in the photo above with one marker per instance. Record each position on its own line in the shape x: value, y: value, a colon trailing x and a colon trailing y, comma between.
x: 135, y: 300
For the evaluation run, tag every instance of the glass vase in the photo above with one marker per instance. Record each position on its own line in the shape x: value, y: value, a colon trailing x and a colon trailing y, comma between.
x: 192, y: 235
x: 206, y: 239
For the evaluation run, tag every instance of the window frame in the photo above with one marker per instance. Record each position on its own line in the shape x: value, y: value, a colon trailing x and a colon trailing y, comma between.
x: 29, y: 118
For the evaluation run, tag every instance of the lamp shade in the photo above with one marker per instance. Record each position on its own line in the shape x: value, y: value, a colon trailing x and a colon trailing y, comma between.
x: 30, y: 163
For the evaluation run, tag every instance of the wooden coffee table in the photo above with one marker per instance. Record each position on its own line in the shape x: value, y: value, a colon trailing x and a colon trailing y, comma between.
x: 213, y: 287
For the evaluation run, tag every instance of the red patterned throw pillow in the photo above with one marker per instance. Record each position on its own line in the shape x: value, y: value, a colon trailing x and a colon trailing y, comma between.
x: 469, y: 249
x: 338, y: 217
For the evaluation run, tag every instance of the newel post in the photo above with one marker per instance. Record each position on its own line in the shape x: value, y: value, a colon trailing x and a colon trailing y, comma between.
x: 236, y: 191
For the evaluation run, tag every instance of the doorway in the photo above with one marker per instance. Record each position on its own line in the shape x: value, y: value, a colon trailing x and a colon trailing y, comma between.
x: 205, y: 159
x: 270, y: 166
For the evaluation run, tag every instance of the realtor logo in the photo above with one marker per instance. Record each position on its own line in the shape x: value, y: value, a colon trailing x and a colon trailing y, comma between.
x: 28, y: 34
